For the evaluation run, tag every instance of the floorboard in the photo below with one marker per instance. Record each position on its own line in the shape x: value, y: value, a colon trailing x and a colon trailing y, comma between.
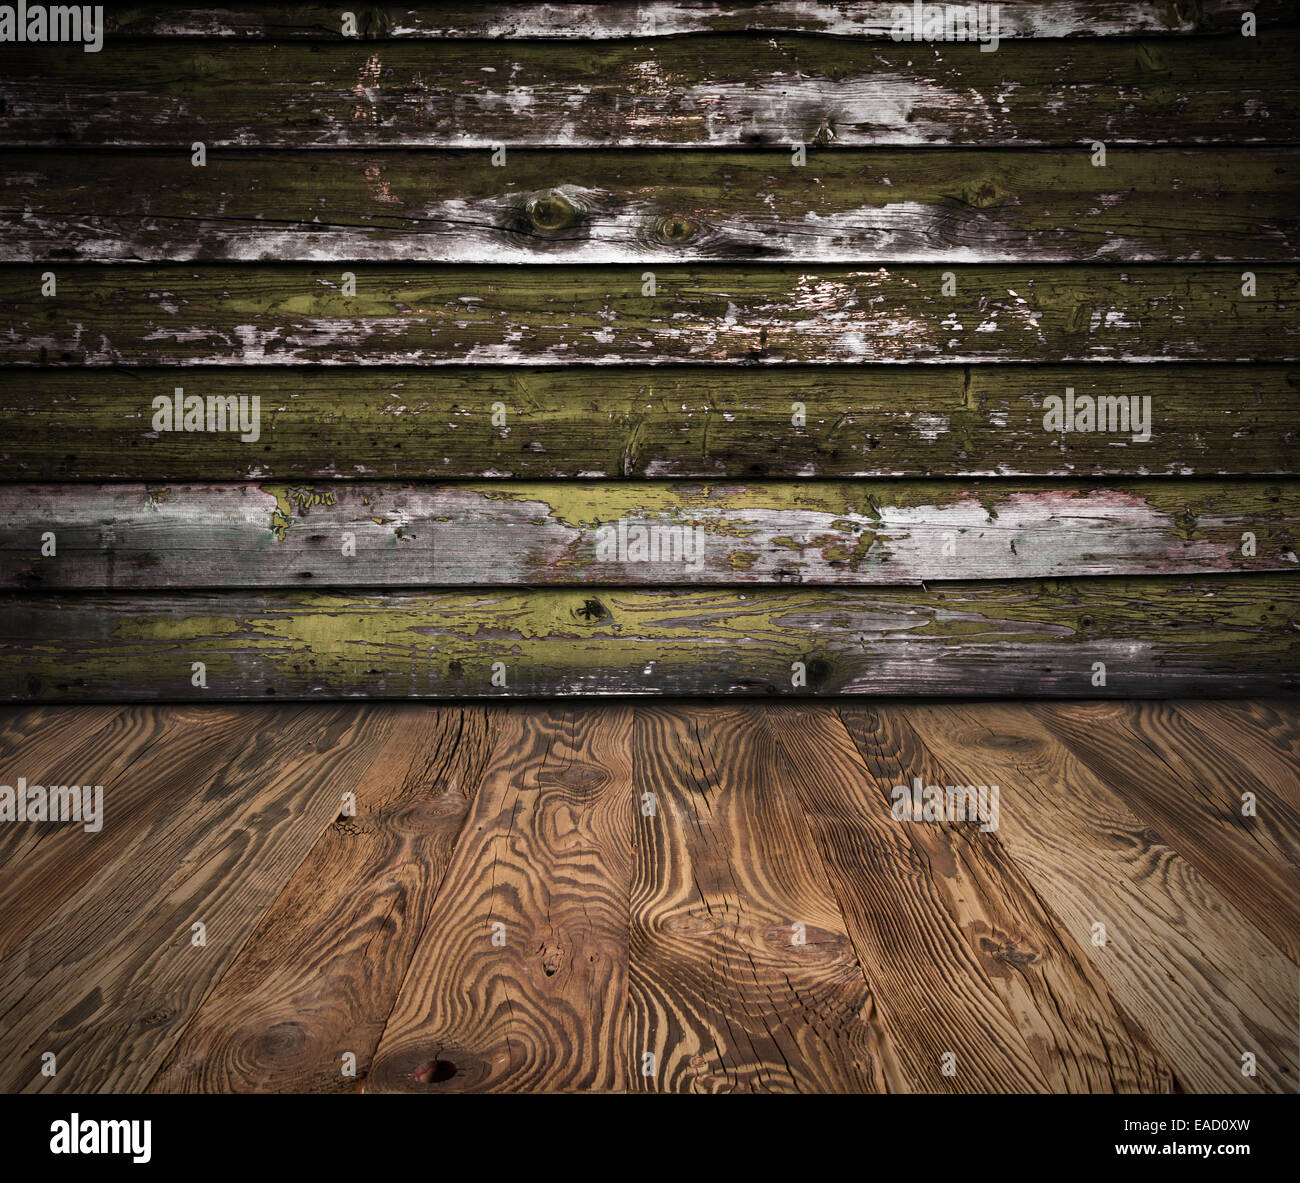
x: 665, y: 896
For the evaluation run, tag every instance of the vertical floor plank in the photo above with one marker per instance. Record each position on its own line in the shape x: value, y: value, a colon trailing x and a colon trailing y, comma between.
x: 963, y: 887
x: 109, y: 983
x: 1187, y: 965
x: 726, y: 993
x: 1189, y: 792
x: 150, y: 761
x: 319, y: 977
x: 519, y: 981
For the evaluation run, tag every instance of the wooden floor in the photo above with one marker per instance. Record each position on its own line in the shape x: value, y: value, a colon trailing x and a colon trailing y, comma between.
x: 654, y: 897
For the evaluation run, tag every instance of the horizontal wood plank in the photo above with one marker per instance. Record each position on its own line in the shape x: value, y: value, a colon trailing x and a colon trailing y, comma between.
x: 437, y: 423
x: 962, y: 206
x: 262, y: 535
x: 296, y: 315
x: 1157, y: 637
x: 760, y: 89
x: 874, y: 18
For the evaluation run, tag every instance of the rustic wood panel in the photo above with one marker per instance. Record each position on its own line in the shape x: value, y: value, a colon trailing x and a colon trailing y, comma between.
x: 1158, y: 637
x: 538, y: 1004
x: 111, y: 996
x: 295, y: 315
x: 149, y: 762
x: 860, y: 421
x: 962, y: 206
x: 319, y: 977
x: 718, y: 90
x: 261, y: 535
x: 1177, y: 955
x: 1190, y: 795
x: 948, y: 926
x: 1262, y: 736
x: 872, y: 18
x: 720, y: 994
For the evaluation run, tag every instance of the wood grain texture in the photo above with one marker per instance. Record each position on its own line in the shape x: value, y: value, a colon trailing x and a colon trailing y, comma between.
x: 148, y: 762
x: 964, y: 957
x: 701, y: 90
x: 1191, y: 797
x: 295, y: 315
x: 640, y: 421
x: 874, y: 18
x: 610, y: 206
x: 726, y: 992
x: 320, y: 975
x: 538, y: 1004
x: 260, y: 535
x: 110, y: 996
x: 1158, y: 637
x: 1177, y: 955
x: 1263, y: 735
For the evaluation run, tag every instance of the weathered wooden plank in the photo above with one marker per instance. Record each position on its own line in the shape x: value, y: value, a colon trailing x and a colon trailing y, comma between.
x: 1177, y: 955
x: 964, y: 958
x: 860, y: 421
x: 110, y: 981
x: 1157, y: 637
x: 296, y: 315
x: 872, y: 18
x: 721, y: 90
x: 1191, y: 796
x: 519, y: 981
x: 1265, y: 737
x: 742, y: 976
x: 319, y: 977
x: 262, y: 535
x: 149, y: 761
x: 963, y: 206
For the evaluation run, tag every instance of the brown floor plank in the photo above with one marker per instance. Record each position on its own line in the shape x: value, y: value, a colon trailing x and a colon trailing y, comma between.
x: 933, y: 994
x: 150, y: 760
x: 724, y: 867
x: 545, y: 853
x: 109, y: 983
x: 319, y: 977
x: 1189, y: 791
x: 1263, y: 737
x: 1189, y: 967
x: 1081, y: 1040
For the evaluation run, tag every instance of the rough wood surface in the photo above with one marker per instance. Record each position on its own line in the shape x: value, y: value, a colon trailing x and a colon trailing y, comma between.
x: 718, y: 90
x: 860, y: 421
x: 261, y: 535
x: 1177, y: 955
x: 147, y: 761
x: 539, y: 1003
x: 1265, y: 738
x: 873, y: 18
x: 947, y: 925
x: 296, y: 315
x: 961, y: 206
x: 743, y: 977
x: 1190, y: 794
x: 109, y: 982
x: 319, y: 977
x: 1158, y: 637
x: 969, y: 942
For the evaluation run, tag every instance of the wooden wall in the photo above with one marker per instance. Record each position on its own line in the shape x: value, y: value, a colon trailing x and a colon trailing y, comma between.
x: 498, y: 279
